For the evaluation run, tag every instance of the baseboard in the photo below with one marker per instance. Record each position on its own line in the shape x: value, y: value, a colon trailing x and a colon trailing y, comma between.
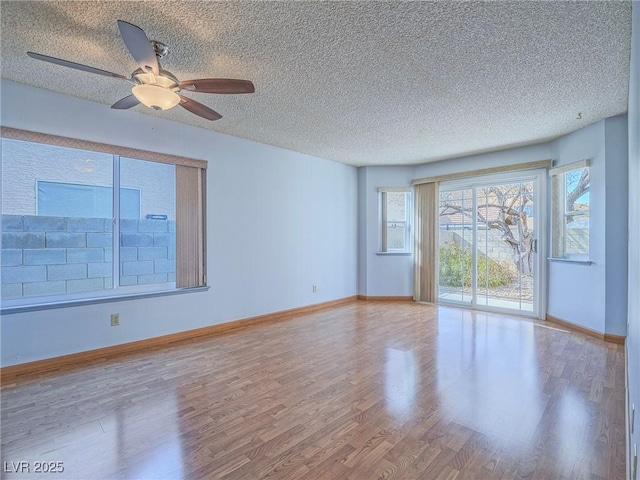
x: 11, y: 374
x: 619, y: 339
x: 627, y: 413
x: 607, y: 337
x: 385, y: 298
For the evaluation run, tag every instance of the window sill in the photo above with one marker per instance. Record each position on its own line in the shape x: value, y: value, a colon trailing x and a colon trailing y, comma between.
x: 570, y: 260
x: 96, y: 300
x: 397, y: 254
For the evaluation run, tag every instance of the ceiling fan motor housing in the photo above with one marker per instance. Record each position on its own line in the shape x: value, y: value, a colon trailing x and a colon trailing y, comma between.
x: 164, y: 79
x: 158, y: 92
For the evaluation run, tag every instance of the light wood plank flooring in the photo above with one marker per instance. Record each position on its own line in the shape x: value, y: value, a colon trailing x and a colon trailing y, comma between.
x: 369, y: 390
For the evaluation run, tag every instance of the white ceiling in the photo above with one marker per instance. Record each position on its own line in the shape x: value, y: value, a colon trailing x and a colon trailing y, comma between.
x: 363, y: 83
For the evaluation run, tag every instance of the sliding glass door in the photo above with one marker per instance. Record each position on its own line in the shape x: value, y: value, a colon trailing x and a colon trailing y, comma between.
x: 455, y: 245
x: 487, y: 244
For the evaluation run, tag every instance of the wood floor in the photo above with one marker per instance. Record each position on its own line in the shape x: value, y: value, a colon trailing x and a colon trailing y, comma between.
x: 365, y: 391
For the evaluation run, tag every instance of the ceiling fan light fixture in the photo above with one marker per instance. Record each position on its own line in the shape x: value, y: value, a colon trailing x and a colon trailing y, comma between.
x: 155, y: 96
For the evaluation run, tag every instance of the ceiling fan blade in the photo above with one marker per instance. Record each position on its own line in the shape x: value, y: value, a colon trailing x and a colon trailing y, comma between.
x: 218, y: 85
x: 126, y: 102
x: 199, y: 109
x: 139, y: 46
x: 77, y: 66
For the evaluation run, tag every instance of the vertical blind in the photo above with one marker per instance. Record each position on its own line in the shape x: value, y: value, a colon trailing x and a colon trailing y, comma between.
x: 189, y: 227
x: 425, y: 238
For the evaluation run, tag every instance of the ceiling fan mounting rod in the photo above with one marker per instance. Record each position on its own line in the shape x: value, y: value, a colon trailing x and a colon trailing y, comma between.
x: 160, y: 49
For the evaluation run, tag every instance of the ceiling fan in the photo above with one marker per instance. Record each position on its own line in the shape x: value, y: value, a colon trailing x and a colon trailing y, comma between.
x: 153, y: 86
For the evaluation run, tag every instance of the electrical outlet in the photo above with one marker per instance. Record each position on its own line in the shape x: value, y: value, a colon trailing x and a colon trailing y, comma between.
x: 115, y: 319
x: 315, y: 289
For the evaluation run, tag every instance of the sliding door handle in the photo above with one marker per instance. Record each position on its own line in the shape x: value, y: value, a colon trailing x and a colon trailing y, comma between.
x: 534, y: 246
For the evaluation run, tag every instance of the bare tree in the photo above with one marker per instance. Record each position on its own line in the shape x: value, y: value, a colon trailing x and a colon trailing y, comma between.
x: 579, y: 188
x: 503, y: 208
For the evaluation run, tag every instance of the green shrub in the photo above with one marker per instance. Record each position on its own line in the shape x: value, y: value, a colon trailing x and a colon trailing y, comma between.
x: 455, y: 268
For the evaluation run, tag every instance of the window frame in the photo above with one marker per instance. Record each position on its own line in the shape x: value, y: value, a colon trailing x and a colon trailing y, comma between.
x: 560, y: 214
x: 383, y: 222
x: 116, y: 292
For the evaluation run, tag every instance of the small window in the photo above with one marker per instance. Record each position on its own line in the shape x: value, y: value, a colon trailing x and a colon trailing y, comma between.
x: 395, y: 205
x: 571, y: 203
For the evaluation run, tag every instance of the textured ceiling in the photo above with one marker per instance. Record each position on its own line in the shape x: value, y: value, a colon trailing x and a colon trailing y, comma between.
x: 364, y: 83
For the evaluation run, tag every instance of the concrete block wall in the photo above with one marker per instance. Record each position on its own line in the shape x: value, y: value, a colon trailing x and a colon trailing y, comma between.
x: 496, y: 248
x: 577, y: 239
x: 492, y: 244
x: 58, y: 255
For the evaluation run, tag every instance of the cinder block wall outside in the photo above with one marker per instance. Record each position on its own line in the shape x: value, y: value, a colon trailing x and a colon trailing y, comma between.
x: 497, y: 249
x: 57, y: 255
x: 491, y: 244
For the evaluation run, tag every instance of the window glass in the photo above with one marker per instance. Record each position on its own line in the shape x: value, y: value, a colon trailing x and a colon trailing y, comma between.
x: 147, y: 222
x: 56, y: 234
x: 396, y: 221
x: 394, y: 217
x: 455, y: 239
x: 577, y: 212
x: 577, y: 190
x: 570, y: 222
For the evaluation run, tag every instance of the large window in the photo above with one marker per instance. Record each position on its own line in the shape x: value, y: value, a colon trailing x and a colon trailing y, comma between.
x: 80, y: 224
x: 570, y: 216
x: 395, y: 205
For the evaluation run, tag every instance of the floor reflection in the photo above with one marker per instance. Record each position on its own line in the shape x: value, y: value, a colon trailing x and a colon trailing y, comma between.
x: 571, y: 428
x: 149, y: 428
x: 487, y: 375
x: 135, y: 439
x: 400, y: 381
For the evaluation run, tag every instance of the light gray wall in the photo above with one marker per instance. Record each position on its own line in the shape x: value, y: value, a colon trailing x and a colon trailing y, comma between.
x: 289, y: 221
x: 384, y: 275
x: 633, y: 335
x: 362, y: 231
x: 576, y: 293
x: 594, y: 296
x: 617, y: 227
